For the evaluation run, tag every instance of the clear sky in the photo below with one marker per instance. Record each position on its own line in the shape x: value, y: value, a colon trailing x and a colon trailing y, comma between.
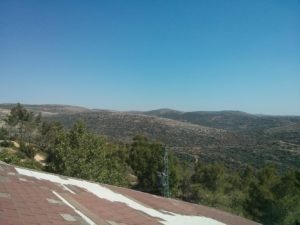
x: 147, y: 54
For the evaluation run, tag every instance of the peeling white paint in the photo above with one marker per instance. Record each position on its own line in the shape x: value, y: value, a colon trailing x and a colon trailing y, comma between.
x: 167, y: 218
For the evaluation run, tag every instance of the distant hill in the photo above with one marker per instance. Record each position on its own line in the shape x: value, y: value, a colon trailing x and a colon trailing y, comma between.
x: 124, y: 126
x: 167, y: 113
x: 229, y: 120
x: 49, y: 108
x: 233, y: 137
x: 264, y: 138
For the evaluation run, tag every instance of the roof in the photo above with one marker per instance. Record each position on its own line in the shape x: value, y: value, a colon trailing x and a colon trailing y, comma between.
x: 33, y: 197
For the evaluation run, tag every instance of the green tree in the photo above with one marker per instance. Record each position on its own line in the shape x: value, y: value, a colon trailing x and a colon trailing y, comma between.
x: 22, y: 123
x: 47, y: 135
x: 211, y: 176
x: 18, y: 114
x: 216, y: 186
x: 146, y: 160
x: 287, y: 198
x: 261, y: 204
x: 82, y: 154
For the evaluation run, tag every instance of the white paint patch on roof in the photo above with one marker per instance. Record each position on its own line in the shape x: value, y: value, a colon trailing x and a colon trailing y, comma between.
x: 167, y: 218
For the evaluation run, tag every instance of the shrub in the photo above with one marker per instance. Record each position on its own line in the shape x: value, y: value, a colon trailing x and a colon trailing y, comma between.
x: 28, y: 150
x: 3, y: 133
x: 6, y: 144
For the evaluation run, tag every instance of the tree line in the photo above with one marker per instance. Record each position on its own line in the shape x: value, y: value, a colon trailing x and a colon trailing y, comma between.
x: 266, y: 195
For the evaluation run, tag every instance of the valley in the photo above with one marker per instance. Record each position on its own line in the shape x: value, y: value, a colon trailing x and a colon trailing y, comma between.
x: 230, y: 137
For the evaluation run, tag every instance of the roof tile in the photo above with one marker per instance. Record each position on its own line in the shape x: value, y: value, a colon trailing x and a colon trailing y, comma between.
x: 27, y: 199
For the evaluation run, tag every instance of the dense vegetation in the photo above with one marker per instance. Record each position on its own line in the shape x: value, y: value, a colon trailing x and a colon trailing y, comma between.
x: 233, y: 138
x: 267, y: 195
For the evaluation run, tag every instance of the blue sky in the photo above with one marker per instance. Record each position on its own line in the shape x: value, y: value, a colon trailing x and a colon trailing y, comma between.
x: 141, y: 55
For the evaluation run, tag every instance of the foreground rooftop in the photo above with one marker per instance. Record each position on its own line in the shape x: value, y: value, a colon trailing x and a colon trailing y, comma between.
x: 29, y: 197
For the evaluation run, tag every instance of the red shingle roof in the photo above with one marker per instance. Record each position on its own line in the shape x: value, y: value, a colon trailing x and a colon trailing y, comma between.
x: 30, y: 197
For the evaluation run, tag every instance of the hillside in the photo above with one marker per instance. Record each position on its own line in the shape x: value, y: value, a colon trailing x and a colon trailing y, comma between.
x: 235, y: 121
x: 265, y: 138
x: 232, y: 137
x: 124, y: 126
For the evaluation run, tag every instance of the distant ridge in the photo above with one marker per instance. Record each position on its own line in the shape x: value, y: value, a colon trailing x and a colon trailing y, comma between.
x: 161, y: 111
